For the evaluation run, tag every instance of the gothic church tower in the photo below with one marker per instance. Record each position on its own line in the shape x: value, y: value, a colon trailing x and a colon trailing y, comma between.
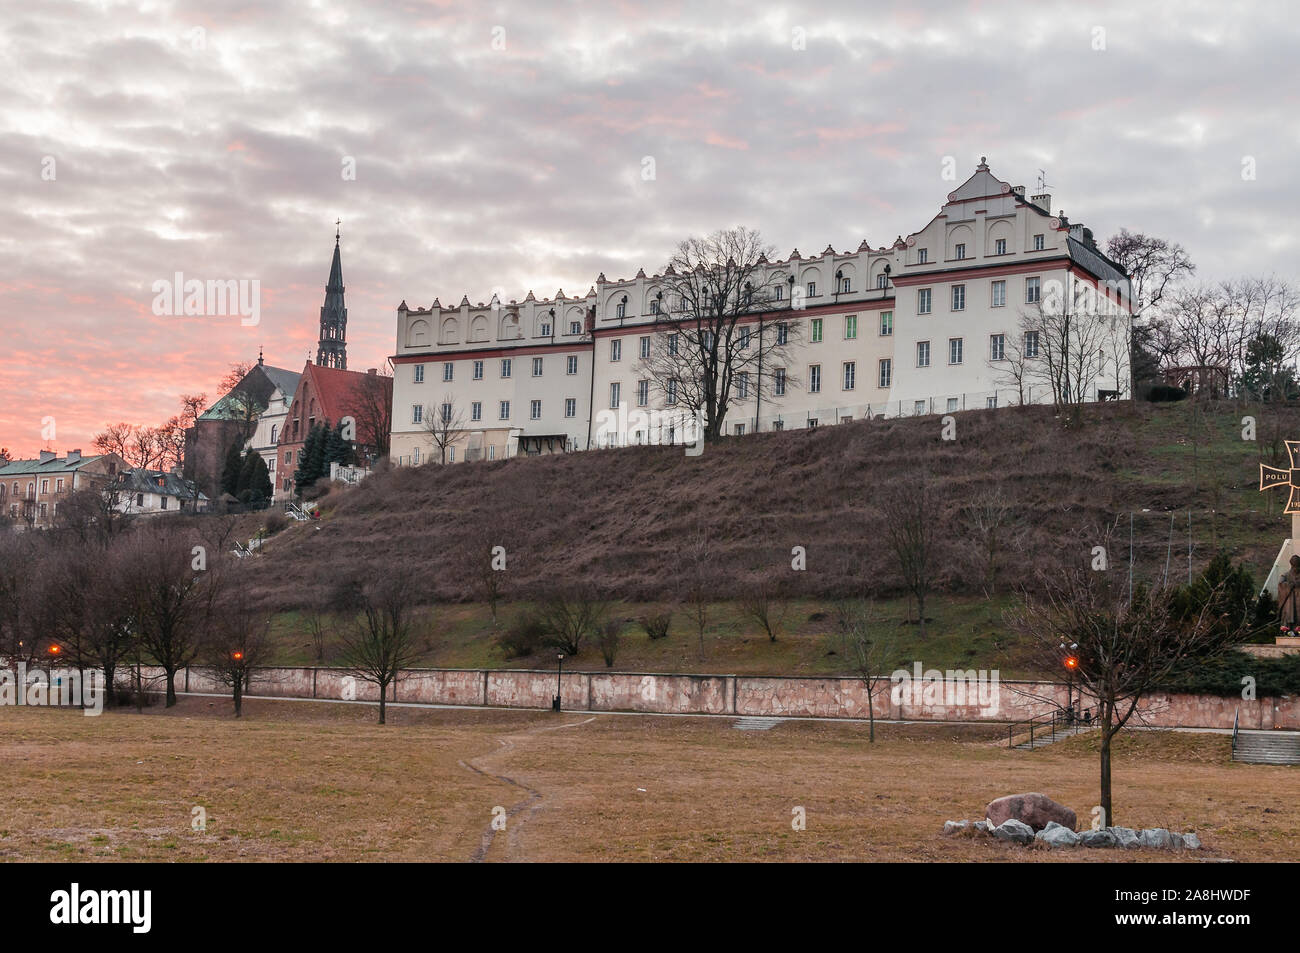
x: 333, y: 348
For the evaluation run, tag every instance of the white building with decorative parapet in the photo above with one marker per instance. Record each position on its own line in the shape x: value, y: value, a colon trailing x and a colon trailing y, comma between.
x: 932, y: 323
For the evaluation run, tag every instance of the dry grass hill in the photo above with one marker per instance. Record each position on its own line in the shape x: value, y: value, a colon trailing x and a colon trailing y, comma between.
x: 641, y: 523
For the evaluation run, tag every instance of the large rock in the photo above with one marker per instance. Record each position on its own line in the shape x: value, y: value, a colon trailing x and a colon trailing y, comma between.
x: 955, y: 827
x: 1191, y: 841
x: 1054, y: 835
x: 1126, y: 837
x: 1160, y: 838
x: 1015, y: 831
x: 1098, y: 838
x: 1034, y: 809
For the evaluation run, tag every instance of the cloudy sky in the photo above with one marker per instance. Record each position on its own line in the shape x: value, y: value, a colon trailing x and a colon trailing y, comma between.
x: 502, y: 146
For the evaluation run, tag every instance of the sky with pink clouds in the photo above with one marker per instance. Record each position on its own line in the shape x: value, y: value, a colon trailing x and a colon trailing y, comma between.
x: 501, y: 146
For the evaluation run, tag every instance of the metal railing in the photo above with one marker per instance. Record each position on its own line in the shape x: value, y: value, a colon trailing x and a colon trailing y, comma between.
x: 1046, y: 725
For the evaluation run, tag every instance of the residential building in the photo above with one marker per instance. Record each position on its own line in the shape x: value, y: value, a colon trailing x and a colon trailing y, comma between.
x: 918, y: 326
x: 151, y: 492
x: 31, y: 491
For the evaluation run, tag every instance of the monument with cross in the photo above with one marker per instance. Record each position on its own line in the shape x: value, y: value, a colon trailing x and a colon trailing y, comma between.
x: 1283, y: 581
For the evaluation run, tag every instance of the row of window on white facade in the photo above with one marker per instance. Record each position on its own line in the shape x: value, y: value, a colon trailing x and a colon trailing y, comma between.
x: 998, y: 299
x: 848, y: 380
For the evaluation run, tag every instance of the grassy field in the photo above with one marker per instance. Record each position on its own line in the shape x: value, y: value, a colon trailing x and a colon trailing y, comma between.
x: 969, y: 633
x: 310, y: 781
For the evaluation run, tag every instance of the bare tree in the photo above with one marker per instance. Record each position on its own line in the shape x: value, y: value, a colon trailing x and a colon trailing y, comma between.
x: 695, y: 588
x: 871, y: 652
x: 911, y: 513
x: 761, y: 602
x: 20, y: 609
x: 172, y: 590
x: 1154, y: 266
x: 385, y: 636
x: 1015, y: 367
x: 1125, y: 644
x: 608, y: 639
x: 372, y: 409
x: 113, y: 631
x: 993, y: 525
x: 445, y: 426
x: 714, y: 342
x: 570, y: 615
x: 318, y: 624
x: 242, y: 398
x: 238, y: 641
x: 485, y: 561
x: 1068, y: 336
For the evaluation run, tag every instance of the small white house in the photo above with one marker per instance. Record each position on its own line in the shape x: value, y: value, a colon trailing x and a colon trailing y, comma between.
x: 148, y: 492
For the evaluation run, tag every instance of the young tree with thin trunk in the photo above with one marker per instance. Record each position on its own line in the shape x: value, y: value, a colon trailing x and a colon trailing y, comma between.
x: 1125, y: 643
x: 445, y: 424
x: 912, y: 514
x: 384, y: 637
x: 871, y: 652
x: 993, y: 526
x: 762, y: 604
x: 696, y: 593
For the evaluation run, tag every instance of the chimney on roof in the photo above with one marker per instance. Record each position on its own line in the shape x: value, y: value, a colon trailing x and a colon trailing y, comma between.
x: 74, y: 456
x: 1043, y: 201
x: 372, y: 371
x: 47, y: 456
x: 1019, y: 190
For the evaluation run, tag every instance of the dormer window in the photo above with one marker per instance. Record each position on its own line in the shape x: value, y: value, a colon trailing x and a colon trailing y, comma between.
x: 922, y: 256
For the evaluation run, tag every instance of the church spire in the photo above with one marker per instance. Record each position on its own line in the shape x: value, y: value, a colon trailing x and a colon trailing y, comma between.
x: 332, y: 350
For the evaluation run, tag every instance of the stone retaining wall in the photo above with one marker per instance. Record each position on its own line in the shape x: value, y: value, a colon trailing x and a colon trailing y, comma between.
x: 825, y: 697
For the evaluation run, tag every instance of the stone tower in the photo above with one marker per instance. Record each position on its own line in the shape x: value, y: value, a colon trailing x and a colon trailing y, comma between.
x: 333, y: 348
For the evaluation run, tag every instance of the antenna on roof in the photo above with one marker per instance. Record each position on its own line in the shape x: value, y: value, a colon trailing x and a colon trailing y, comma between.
x: 1042, y: 180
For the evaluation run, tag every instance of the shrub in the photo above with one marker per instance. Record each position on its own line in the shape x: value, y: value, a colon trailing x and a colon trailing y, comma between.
x: 1164, y: 393
x: 656, y: 626
x: 275, y: 521
x: 522, y: 637
x: 316, y: 491
x: 608, y: 639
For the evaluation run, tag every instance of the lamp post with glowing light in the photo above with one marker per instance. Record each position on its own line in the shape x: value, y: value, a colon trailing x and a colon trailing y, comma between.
x: 559, y: 670
x: 1071, y: 663
x: 54, y: 651
x: 237, y: 670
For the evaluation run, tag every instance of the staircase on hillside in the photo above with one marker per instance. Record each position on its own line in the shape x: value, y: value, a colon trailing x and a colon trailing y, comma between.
x: 757, y: 724
x: 1042, y: 740
x: 1266, y: 747
x: 1043, y: 730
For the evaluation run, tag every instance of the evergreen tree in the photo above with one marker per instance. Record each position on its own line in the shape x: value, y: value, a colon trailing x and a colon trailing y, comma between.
x: 231, y: 470
x: 254, y: 480
x: 306, y: 475
x: 318, y: 465
x: 337, y: 449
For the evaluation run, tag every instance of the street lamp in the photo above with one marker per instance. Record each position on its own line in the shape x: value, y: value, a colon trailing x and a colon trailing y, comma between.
x: 53, y: 652
x: 1071, y: 663
x: 555, y: 702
